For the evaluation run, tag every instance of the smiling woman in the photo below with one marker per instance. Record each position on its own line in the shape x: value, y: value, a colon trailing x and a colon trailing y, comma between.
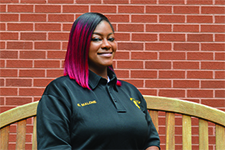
x: 88, y: 107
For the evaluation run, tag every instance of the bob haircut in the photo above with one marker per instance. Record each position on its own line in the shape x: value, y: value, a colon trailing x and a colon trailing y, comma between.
x: 76, y: 60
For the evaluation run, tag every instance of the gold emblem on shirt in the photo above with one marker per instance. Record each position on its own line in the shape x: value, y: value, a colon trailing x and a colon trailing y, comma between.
x: 136, y: 102
x: 86, y: 103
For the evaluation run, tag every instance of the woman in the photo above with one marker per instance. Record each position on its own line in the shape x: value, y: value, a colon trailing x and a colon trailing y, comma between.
x: 88, y: 108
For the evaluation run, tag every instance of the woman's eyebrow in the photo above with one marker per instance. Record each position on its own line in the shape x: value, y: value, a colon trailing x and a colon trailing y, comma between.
x: 102, y: 34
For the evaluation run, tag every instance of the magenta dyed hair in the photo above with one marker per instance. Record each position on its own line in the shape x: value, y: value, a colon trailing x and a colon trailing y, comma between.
x: 76, y: 60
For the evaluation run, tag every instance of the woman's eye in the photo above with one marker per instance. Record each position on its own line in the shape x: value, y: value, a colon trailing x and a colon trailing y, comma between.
x: 111, y: 39
x: 95, y: 39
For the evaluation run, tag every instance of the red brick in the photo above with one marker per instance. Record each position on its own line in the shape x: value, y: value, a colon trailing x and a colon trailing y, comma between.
x: 41, y: 82
x: 122, y: 36
x: 158, y: 65
x: 213, y: 84
x: 171, y: 55
x: 186, y: 83
x: 136, y: 83
x: 122, y: 55
x: 131, y: 27
x: 144, y: 18
x: 46, y: 64
x: 103, y: 8
x: 8, y: 72
x: 199, y: 56
x: 56, y: 54
x: 159, y: 9
x: 148, y: 91
x: 19, y: 63
x: 2, y: 45
x: 33, y: 17
x: 143, y: 74
x: 200, y: 74
x: 54, y: 73
x: 131, y: 9
x: 34, y: 1
x: 2, y: 26
x: 213, y: 102
x: 60, y: 1
x: 48, y: 27
x: 33, y: 36
x: 8, y: 54
x: 130, y: 46
x: 220, y: 74
x: 19, y: 82
x: 143, y: 2
x: 185, y: 65
x: 8, y: 36
x: 213, y: 46
x: 158, y: 28
x: 8, y: 91
x: 186, y: 9
x: 219, y: 2
x: 171, y: 2
x: 200, y: 93
x: 31, y: 73
x: 186, y: 46
x: 75, y: 8
x: 130, y: 64
x: 3, y: 109
x: 186, y: 28
x: 88, y: 1
x: 219, y: 19
x: 144, y: 55
x: 206, y: 2
x: 2, y: 8
x: 31, y: 91
x: 20, y: 26
x: 32, y: 54
x: 158, y: 46
x: 47, y: 45
x: 213, y: 65
x: 2, y: 63
x: 213, y: 28
x: 220, y: 93
x: 212, y: 9
x: 220, y: 37
x: 61, y: 18
x: 58, y: 36
x: 64, y: 45
x: 118, y: 18
x: 199, y: 19
x: 9, y: 17
x: 20, y: 8
x: 172, y: 93
x: 2, y: 82
x: 171, y: 74
x: 67, y: 27
x: 122, y: 73
x: 219, y: 56
x: 200, y: 37
x: 47, y: 8
x: 144, y: 37
x: 172, y: 18
x: 171, y: 37
x: 19, y: 45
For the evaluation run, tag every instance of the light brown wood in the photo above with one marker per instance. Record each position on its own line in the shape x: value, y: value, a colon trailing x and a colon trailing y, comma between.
x: 154, y: 104
x: 154, y: 116
x: 186, y: 132
x: 203, y: 134
x: 21, y: 135
x: 170, y: 131
x: 4, y: 138
x: 34, y: 137
x: 220, y: 137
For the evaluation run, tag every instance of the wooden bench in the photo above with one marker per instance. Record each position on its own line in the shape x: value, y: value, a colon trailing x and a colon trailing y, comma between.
x: 171, y: 107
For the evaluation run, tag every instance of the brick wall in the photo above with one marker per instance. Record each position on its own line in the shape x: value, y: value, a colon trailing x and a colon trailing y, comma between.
x: 172, y: 48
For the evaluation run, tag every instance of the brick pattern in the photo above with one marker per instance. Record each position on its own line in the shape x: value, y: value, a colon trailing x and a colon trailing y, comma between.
x: 172, y: 48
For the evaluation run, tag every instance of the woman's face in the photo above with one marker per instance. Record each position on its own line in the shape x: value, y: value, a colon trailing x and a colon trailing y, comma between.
x: 102, y: 47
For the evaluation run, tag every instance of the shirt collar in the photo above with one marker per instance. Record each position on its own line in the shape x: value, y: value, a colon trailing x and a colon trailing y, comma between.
x: 94, y: 79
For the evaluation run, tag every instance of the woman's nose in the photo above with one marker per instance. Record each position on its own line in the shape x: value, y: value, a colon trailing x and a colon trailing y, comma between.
x: 106, y: 44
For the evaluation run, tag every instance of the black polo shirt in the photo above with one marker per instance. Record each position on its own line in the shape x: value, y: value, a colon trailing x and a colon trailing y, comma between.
x: 106, y: 117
